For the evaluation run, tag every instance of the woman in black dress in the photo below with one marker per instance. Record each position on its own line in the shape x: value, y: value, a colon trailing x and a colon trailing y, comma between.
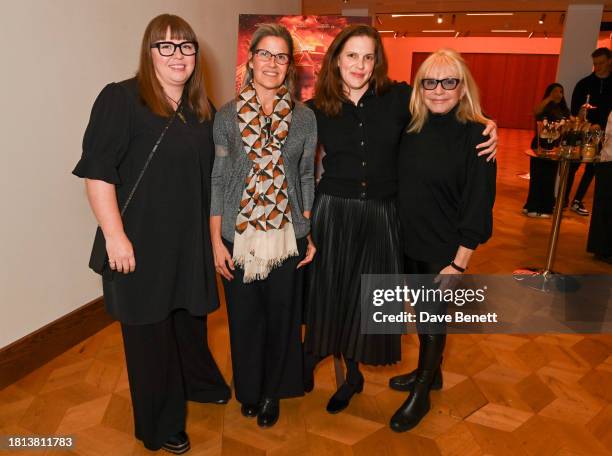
x: 445, y: 200
x: 542, y: 172
x: 360, y: 115
x: 164, y: 281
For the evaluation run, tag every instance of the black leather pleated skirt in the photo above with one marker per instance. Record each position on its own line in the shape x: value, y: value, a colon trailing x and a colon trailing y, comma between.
x: 352, y: 237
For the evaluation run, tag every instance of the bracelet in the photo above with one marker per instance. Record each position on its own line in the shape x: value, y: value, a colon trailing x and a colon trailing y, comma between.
x: 458, y: 268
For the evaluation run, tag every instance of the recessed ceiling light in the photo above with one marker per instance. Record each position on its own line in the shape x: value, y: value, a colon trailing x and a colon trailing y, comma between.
x: 413, y: 15
x: 542, y: 17
x: 489, y: 14
x: 439, y: 20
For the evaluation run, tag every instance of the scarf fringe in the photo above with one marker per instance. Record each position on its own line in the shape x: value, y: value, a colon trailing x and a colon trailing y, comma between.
x: 268, y: 264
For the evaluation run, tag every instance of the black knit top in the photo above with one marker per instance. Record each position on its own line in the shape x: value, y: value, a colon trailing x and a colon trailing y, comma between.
x: 446, y: 192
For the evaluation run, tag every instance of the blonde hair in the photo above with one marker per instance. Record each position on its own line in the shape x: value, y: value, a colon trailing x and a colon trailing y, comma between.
x: 469, y: 104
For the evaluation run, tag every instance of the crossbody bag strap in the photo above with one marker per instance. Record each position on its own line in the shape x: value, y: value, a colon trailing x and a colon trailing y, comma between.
x: 149, y: 158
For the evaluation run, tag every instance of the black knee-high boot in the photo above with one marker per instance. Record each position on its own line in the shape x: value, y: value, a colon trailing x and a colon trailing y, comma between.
x: 353, y: 384
x: 405, y: 382
x: 414, y: 409
x: 310, y: 362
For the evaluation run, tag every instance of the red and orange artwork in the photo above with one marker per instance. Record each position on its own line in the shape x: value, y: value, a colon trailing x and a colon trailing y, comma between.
x: 311, y: 36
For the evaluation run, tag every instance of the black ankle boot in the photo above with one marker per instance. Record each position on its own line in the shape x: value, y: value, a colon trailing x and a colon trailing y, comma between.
x: 268, y: 412
x: 405, y: 382
x: 342, y: 397
x: 414, y: 409
x: 177, y: 444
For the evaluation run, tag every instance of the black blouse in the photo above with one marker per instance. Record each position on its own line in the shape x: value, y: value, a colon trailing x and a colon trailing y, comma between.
x: 446, y: 192
x: 167, y: 219
x: 361, y: 144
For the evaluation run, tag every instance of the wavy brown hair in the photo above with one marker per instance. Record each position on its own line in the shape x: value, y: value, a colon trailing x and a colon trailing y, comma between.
x: 151, y: 92
x: 329, y: 90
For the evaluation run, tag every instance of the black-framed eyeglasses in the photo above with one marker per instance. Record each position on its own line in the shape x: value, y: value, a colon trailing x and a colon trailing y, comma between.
x: 168, y: 48
x: 265, y: 55
x: 447, y: 83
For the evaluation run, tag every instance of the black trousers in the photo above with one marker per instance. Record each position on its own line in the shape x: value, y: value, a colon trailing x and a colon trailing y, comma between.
x: 412, y: 266
x: 585, y: 181
x: 169, y: 363
x: 541, y: 196
x: 265, y: 319
x: 600, y: 230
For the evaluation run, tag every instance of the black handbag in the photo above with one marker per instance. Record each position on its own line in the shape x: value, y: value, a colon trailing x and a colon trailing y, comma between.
x: 98, y: 260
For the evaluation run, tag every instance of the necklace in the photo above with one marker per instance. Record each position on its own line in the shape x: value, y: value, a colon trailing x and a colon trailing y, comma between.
x: 180, y: 114
x: 172, y: 99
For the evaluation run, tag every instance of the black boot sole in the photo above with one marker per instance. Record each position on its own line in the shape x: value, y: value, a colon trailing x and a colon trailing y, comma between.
x: 177, y: 450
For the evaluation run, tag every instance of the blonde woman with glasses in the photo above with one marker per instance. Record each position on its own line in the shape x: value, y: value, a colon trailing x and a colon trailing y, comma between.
x: 445, y: 200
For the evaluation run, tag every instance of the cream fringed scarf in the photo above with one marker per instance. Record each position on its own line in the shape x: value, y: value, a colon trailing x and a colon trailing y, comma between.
x: 264, y: 232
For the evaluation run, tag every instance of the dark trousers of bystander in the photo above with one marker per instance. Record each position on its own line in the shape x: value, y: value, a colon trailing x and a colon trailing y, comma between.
x: 600, y: 230
x: 583, y: 185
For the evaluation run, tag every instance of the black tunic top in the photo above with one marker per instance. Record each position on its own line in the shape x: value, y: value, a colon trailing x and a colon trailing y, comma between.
x: 361, y: 144
x: 446, y: 192
x: 167, y: 219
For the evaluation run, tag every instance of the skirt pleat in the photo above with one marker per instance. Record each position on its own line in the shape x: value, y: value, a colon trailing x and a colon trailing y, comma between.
x: 352, y: 237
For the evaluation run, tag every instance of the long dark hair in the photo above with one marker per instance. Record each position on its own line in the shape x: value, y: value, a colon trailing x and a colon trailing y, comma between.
x: 562, y: 105
x: 149, y: 87
x: 329, y: 92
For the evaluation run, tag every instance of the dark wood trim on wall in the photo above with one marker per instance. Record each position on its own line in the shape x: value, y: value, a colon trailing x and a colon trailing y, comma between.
x: 32, y: 351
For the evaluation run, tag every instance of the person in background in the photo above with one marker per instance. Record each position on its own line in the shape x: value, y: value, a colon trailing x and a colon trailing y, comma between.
x: 543, y: 172
x: 262, y: 194
x: 600, y: 230
x: 445, y: 201
x: 164, y: 283
x: 361, y: 116
x: 598, y: 86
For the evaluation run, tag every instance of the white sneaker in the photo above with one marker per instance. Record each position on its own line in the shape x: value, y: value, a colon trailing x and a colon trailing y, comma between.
x: 538, y: 215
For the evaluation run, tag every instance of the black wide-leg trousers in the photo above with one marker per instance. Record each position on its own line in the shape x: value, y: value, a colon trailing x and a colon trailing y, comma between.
x: 265, y: 319
x: 169, y: 363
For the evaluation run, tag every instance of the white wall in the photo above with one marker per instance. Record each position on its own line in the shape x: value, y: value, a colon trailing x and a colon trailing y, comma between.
x: 60, y: 53
x: 580, y: 38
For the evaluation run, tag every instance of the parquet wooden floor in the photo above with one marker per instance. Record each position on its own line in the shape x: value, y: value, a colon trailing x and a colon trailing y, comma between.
x: 533, y: 395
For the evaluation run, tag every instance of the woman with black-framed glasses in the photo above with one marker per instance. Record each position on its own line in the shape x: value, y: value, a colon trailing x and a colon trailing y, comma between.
x: 445, y: 202
x: 160, y: 282
x: 262, y: 193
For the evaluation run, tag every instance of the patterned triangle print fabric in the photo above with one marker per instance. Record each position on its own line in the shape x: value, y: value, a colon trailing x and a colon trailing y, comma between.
x: 264, y: 232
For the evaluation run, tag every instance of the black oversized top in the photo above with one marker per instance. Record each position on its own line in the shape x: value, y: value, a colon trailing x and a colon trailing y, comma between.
x: 446, y: 192
x: 167, y: 219
x: 361, y: 144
